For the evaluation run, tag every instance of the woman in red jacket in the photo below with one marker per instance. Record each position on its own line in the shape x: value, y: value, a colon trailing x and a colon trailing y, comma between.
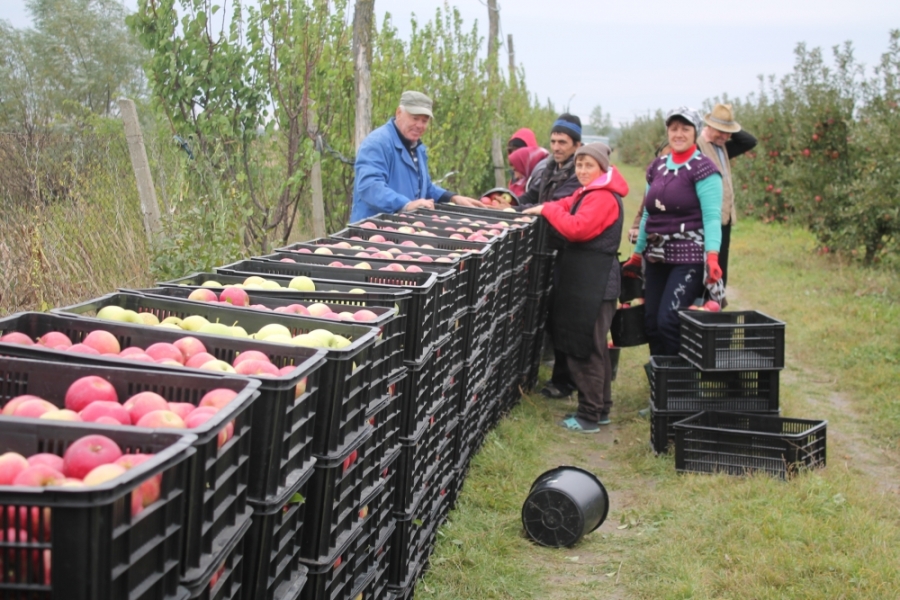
x: 588, y: 280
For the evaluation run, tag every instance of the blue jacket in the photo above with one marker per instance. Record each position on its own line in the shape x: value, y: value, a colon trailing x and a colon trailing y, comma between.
x: 387, y: 178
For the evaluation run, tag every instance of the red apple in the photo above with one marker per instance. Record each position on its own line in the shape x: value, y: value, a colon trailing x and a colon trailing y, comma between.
x: 103, y: 473
x: 88, y: 452
x: 235, y: 296
x: 38, y: 476
x: 131, y: 351
x: 15, y: 337
x: 149, y: 490
x: 139, y: 357
x: 199, y: 359
x: 13, y: 404
x: 712, y: 306
x: 377, y: 238
x: 102, y: 341
x: 45, y: 458
x: 144, y: 402
x: 189, y: 347
x: 161, y: 418
x: 317, y: 309
x: 33, y: 409
x: 182, y: 409
x: 114, y: 410
x: 256, y: 367
x: 11, y: 464
x: 365, y: 315
x: 249, y: 355
x: 368, y: 225
x: 161, y: 351
x: 203, y: 295
x: 88, y: 389
x: 55, y: 339
x: 413, y: 269
x: 298, y: 309
x: 218, y: 398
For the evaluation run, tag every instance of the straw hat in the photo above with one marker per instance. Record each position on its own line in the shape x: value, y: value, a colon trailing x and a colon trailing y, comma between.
x: 722, y: 118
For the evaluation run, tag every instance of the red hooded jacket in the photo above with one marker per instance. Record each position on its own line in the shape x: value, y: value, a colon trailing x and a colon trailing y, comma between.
x: 524, y: 160
x: 598, y: 209
x: 527, y: 136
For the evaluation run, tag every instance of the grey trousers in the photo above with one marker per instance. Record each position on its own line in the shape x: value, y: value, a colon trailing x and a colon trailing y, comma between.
x: 593, y: 375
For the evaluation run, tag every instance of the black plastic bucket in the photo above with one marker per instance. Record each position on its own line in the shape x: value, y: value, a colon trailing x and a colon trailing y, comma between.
x: 631, y: 288
x: 563, y: 505
x: 627, y: 328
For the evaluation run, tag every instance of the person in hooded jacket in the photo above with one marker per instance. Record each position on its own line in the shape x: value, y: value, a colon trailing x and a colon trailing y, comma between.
x: 523, y: 161
x: 523, y: 138
x: 588, y: 281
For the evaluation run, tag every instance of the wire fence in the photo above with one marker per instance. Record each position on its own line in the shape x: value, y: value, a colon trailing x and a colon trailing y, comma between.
x: 70, y: 221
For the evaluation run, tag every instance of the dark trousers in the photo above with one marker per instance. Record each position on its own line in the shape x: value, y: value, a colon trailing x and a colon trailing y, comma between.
x: 668, y: 288
x: 593, y: 375
x: 723, y: 252
x: 561, y: 377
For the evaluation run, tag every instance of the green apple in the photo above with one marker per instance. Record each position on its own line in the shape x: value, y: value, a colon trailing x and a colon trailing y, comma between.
x: 339, y: 342
x: 302, y: 284
x: 254, y: 280
x: 132, y: 317
x: 170, y: 326
x: 272, y: 329
x: 211, y: 283
x: 279, y: 338
x: 111, y: 313
x: 215, y: 329
x: 306, y: 340
x: 324, y: 336
x: 271, y: 285
x: 193, y: 323
x: 239, y: 332
x: 173, y: 320
x: 149, y: 318
x: 357, y: 291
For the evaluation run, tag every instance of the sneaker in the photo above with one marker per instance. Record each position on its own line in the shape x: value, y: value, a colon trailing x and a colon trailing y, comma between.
x: 644, y: 413
x: 551, y: 390
x: 604, y: 420
x: 579, y: 425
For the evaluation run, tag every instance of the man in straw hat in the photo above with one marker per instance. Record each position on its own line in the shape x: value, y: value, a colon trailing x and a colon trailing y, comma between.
x: 721, y: 140
x: 392, y: 165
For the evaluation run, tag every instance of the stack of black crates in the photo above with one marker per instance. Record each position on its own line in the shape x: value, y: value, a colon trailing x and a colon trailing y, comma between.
x: 342, y: 470
x: 729, y: 362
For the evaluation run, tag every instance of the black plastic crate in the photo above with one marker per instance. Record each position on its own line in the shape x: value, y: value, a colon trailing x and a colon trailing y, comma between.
x: 662, y: 428
x: 99, y: 551
x: 410, y: 472
x: 536, y: 308
x: 344, y: 378
x: 332, y: 578
x: 387, y: 352
x: 225, y: 580
x: 731, y: 340
x: 443, y: 364
x: 333, y: 502
x: 281, y: 445
x: 482, y: 266
x: 374, y: 584
x: 458, y: 335
x: 384, y: 417
x: 678, y: 385
x: 417, y: 397
x: 216, y: 492
x: 481, y: 319
x: 504, y: 288
x: 474, y: 372
x: 740, y: 444
x: 627, y: 328
x: 518, y: 285
x: 360, y: 555
x: 378, y: 506
x: 522, y: 234
x: 408, y: 552
x: 423, y: 308
x: 516, y: 329
x: 450, y: 290
x: 272, y: 554
x: 540, y: 272
x: 533, y: 347
x: 365, y: 296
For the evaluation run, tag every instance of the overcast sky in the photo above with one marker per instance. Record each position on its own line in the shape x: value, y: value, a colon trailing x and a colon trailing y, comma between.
x: 631, y: 56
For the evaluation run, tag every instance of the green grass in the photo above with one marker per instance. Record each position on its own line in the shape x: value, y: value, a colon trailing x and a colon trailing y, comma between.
x: 831, y: 533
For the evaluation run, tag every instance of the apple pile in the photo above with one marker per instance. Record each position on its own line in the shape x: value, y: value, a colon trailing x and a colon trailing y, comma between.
x: 92, y: 399
x: 273, y: 332
x: 238, y: 297
x: 255, y: 282
x: 393, y: 253
x: 479, y: 235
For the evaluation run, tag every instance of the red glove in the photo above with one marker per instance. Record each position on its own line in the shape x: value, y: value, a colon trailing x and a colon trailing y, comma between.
x: 714, y: 271
x: 632, y: 266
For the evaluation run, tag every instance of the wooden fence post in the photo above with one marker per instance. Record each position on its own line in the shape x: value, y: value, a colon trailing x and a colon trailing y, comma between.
x: 141, y: 167
x: 315, y: 177
x: 493, y: 64
x: 362, y: 57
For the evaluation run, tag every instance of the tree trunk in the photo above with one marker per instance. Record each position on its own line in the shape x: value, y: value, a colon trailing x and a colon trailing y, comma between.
x: 315, y: 179
x: 494, y: 66
x: 141, y: 166
x: 362, y: 59
x: 513, y: 80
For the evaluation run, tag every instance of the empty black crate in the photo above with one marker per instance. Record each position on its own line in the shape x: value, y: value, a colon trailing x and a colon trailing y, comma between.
x: 283, y: 429
x: 333, y: 502
x: 344, y: 378
x: 739, y: 444
x: 731, y: 340
x: 216, y: 492
x: 272, y: 551
x: 677, y: 385
x: 98, y: 550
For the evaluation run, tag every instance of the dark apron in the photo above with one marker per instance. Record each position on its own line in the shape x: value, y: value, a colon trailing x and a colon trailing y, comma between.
x: 581, y: 278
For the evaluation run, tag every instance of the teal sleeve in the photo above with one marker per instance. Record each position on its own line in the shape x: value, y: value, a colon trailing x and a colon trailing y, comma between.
x: 709, y: 190
x: 642, y: 232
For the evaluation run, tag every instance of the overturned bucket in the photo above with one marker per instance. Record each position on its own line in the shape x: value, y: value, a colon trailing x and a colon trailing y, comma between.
x: 563, y: 505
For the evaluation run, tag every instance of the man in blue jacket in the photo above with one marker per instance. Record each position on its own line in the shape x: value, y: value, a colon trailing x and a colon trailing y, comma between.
x: 392, y: 165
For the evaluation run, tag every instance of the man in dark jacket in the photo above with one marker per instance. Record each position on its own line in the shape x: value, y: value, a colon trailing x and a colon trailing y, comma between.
x: 558, y: 177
